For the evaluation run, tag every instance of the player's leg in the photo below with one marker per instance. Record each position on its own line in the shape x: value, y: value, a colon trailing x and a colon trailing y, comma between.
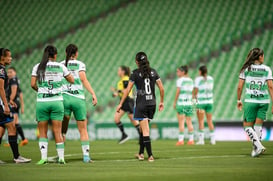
x: 134, y: 122
x: 261, y: 116
x: 2, y: 132
x: 144, y: 124
x: 201, y: 116
x: 190, y: 130
x: 181, y: 128
x: 140, y: 154
x: 124, y: 136
x: 68, y: 102
x: 65, y: 124
x: 19, y: 130
x: 43, y: 140
x: 250, y: 113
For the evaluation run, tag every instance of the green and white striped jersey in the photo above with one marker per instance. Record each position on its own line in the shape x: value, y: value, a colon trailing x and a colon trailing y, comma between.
x: 76, y: 89
x: 205, y: 89
x: 50, y: 89
x: 185, y: 84
x: 256, y: 87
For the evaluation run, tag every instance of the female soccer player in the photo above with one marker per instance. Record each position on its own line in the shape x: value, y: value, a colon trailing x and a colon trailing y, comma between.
x: 258, y: 79
x: 74, y: 99
x: 183, y: 104
x: 6, y: 118
x: 128, y: 105
x: 203, y: 92
x: 47, y: 77
x: 144, y: 78
x: 15, y: 95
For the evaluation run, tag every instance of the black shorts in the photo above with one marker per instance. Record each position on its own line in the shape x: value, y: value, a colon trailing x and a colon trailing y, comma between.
x: 144, y: 112
x: 128, y: 106
x: 4, y: 119
x: 17, y: 109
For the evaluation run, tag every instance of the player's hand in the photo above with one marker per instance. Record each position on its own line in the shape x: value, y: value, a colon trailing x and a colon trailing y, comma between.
x: 240, y: 106
x: 94, y: 100
x: 12, y: 104
x: 6, y: 110
x: 113, y: 89
x: 118, y: 108
x: 161, y: 107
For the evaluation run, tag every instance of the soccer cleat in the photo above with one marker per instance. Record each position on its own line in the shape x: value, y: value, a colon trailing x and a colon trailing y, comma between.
x: 21, y: 159
x: 200, y: 142
x: 151, y: 159
x: 212, y: 141
x: 123, y: 139
x: 258, y: 151
x: 87, y: 159
x: 61, y: 161
x: 2, y: 162
x: 140, y: 157
x: 42, y: 162
x: 179, y: 143
x: 190, y: 142
x: 24, y: 142
x: 6, y: 145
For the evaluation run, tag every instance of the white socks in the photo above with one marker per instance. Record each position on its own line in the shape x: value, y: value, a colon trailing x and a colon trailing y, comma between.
x: 181, y: 136
x: 60, y: 150
x: 253, y: 137
x: 201, y: 136
x: 85, y: 148
x: 258, y: 129
x: 43, y: 145
x: 191, y: 136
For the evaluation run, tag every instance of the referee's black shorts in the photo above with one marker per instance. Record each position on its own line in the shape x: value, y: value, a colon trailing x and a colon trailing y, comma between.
x: 128, y: 105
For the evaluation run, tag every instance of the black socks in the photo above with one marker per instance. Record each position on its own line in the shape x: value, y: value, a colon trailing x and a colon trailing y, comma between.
x: 137, y: 128
x: 147, y: 144
x: 121, y: 128
x: 141, y: 144
x: 14, y: 146
x: 20, y: 131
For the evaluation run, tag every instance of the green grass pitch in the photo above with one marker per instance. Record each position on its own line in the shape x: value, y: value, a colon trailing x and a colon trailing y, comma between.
x: 225, y: 161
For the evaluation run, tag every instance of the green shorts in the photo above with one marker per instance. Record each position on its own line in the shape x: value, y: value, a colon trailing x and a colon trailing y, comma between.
x: 254, y: 110
x: 185, y: 110
x: 51, y: 110
x: 75, y: 105
x: 208, y: 108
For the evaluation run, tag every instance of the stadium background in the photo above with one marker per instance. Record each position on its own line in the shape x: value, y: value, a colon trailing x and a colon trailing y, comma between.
x: 218, y: 33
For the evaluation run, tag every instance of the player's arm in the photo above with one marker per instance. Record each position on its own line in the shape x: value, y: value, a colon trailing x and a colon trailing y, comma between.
x: 239, y: 93
x: 125, y: 94
x: 22, y: 102
x: 33, y: 83
x: 88, y: 87
x: 162, y: 92
x: 13, y: 92
x: 3, y: 97
x: 176, y: 97
x: 270, y: 89
x: 194, y: 93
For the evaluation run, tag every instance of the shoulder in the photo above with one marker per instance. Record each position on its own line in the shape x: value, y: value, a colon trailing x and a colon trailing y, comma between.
x: 210, y: 77
x: 62, y: 62
x: 266, y: 67
x: 197, y: 79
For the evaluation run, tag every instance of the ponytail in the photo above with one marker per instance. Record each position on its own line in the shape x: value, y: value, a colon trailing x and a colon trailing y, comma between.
x: 71, y: 51
x: 144, y: 64
x: 49, y: 52
x: 126, y: 70
x: 253, y: 55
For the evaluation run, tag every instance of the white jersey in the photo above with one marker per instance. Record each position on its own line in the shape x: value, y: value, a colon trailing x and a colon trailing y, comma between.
x: 185, y: 84
x: 256, y: 86
x: 76, y: 89
x: 205, y: 89
x: 50, y: 89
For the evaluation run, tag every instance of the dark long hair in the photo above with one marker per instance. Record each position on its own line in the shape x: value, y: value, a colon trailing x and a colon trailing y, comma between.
x: 203, y: 69
x: 253, y: 55
x: 71, y: 51
x: 49, y: 52
x: 126, y: 70
x: 184, y: 68
x: 144, y: 64
x: 3, y: 52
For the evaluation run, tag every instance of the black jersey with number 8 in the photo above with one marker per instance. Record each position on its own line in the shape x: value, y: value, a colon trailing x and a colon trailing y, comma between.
x: 145, y: 87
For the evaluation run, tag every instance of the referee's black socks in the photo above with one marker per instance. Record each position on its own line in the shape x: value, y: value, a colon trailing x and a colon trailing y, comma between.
x: 121, y: 128
x: 141, y: 144
x: 14, y: 146
x: 147, y: 144
x: 20, y: 131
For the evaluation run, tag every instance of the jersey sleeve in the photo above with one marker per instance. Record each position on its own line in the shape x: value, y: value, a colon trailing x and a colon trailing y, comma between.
x: 156, y: 75
x: 133, y: 77
x: 34, y: 70
x: 65, y: 71
x: 2, y: 73
x: 125, y: 83
x: 13, y: 81
x: 82, y: 67
x: 178, y: 83
x: 196, y: 82
x: 269, y: 75
x: 242, y: 75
